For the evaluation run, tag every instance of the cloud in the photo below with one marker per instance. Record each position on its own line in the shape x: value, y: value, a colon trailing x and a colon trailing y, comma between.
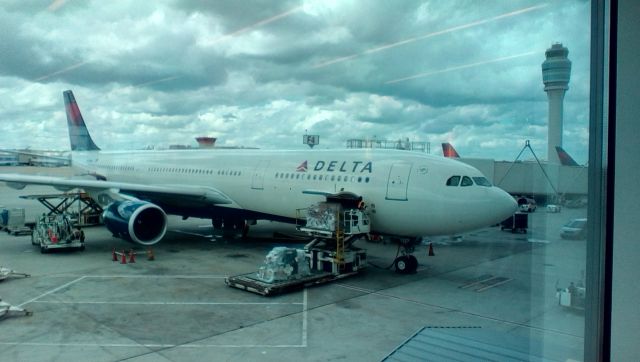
x: 247, y: 72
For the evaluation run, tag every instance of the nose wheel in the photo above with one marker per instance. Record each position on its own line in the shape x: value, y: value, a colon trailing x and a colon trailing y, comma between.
x: 406, y: 264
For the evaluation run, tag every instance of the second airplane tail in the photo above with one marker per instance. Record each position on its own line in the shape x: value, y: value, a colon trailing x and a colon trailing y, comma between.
x: 564, y: 157
x: 79, y: 136
x: 449, y: 151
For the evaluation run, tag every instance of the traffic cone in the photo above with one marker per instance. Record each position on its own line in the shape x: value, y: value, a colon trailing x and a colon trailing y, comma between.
x: 431, y: 253
x: 150, y: 255
x: 124, y: 258
x: 114, y: 257
x: 132, y: 256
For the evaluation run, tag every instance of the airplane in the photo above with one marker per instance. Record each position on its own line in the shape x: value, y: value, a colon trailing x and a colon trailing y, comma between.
x: 408, y: 195
x: 449, y: 151
x: 8, y: 160
x: 565, y: 158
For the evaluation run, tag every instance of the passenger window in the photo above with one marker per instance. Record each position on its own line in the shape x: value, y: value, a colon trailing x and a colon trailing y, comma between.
x: 466, y: 181
x: 453, y: 181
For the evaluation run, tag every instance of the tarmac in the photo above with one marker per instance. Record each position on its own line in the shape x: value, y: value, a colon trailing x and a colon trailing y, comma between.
x: 177, y: 307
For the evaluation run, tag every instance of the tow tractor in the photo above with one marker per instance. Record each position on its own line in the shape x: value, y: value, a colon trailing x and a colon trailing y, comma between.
x: 56, y: 232
x: 6, y: 273
x: 334, y: 226
x: 8, y: 310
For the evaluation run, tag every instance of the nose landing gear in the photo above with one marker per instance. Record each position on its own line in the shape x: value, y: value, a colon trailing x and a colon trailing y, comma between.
x: 406, y: 263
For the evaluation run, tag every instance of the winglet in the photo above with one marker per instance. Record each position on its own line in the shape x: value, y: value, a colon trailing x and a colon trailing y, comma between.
x: 449, y: 151
x: 564, y: 157
x: 79, y: 136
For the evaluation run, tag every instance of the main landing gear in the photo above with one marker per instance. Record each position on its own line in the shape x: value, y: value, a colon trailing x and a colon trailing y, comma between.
x: 406, y: 263
x: 231, y: 226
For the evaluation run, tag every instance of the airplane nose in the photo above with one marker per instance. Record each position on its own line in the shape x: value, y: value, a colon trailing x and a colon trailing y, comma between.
x: 504, y: 204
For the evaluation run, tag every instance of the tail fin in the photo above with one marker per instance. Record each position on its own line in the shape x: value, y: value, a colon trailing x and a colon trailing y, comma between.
x: 449, y: 151
x: 78, y: 134
x: 564, y: 157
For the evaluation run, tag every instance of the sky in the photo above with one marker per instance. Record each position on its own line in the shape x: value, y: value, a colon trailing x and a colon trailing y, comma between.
x: 262, y: 73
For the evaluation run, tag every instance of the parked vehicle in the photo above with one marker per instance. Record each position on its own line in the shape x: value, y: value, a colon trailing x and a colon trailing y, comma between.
x: 551, y: 208
x: 574, y: 229
x: 526, y: 204
x: 56, y: 232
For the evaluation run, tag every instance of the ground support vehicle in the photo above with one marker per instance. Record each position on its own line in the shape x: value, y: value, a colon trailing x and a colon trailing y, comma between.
x: 13, y: 221
x: 7, y: 310
x: 56, y: 232
x: 518, y: 222
x: 6, y: 273
x: 329, y: 256
x: 572, y: 297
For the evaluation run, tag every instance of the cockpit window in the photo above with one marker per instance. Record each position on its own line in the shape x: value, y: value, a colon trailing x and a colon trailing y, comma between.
x: 466, y: 181
x: 453, y: 181
x: 481, y: 181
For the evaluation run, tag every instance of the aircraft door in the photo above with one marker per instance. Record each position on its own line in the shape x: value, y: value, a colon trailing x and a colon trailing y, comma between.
x: 398, y: 181
x: 257, y: 181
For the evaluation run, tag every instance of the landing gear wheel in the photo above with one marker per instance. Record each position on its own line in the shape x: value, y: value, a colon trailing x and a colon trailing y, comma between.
x: 402, y: 264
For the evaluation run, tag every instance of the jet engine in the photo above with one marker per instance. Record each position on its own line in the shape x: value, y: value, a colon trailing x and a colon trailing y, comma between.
x: 136, y: 221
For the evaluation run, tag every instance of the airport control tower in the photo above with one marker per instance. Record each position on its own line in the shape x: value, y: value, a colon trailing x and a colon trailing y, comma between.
x: 556, y: 71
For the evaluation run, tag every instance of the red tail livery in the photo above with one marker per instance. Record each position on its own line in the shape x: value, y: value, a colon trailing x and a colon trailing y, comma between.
x: 564, y: 157
x: 449, y: 151
x: 79, y: 136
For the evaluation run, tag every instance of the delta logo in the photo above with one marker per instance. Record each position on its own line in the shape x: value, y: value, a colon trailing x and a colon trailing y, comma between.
x: 302, y: 167
x: 338, y: 166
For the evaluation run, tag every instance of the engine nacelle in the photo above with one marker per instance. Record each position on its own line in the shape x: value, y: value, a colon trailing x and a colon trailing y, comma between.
x: 137, y: 221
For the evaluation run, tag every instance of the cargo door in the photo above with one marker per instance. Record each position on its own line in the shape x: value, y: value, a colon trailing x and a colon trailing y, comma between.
x: 398, y: 181
x: 257, y: 181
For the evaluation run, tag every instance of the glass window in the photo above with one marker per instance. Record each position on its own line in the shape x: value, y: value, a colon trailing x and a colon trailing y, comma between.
x: 466, y: 181
x: 482, y: 181
x: 453, y: 181
x: 481, y: 75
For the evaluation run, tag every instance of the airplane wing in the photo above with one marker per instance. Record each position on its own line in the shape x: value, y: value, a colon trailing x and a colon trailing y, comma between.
x: 148, y: 192
x: 36, y: 154
x: 317, y: 192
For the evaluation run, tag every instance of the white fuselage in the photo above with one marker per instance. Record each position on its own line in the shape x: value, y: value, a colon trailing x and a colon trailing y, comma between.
x: 405, y: 192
